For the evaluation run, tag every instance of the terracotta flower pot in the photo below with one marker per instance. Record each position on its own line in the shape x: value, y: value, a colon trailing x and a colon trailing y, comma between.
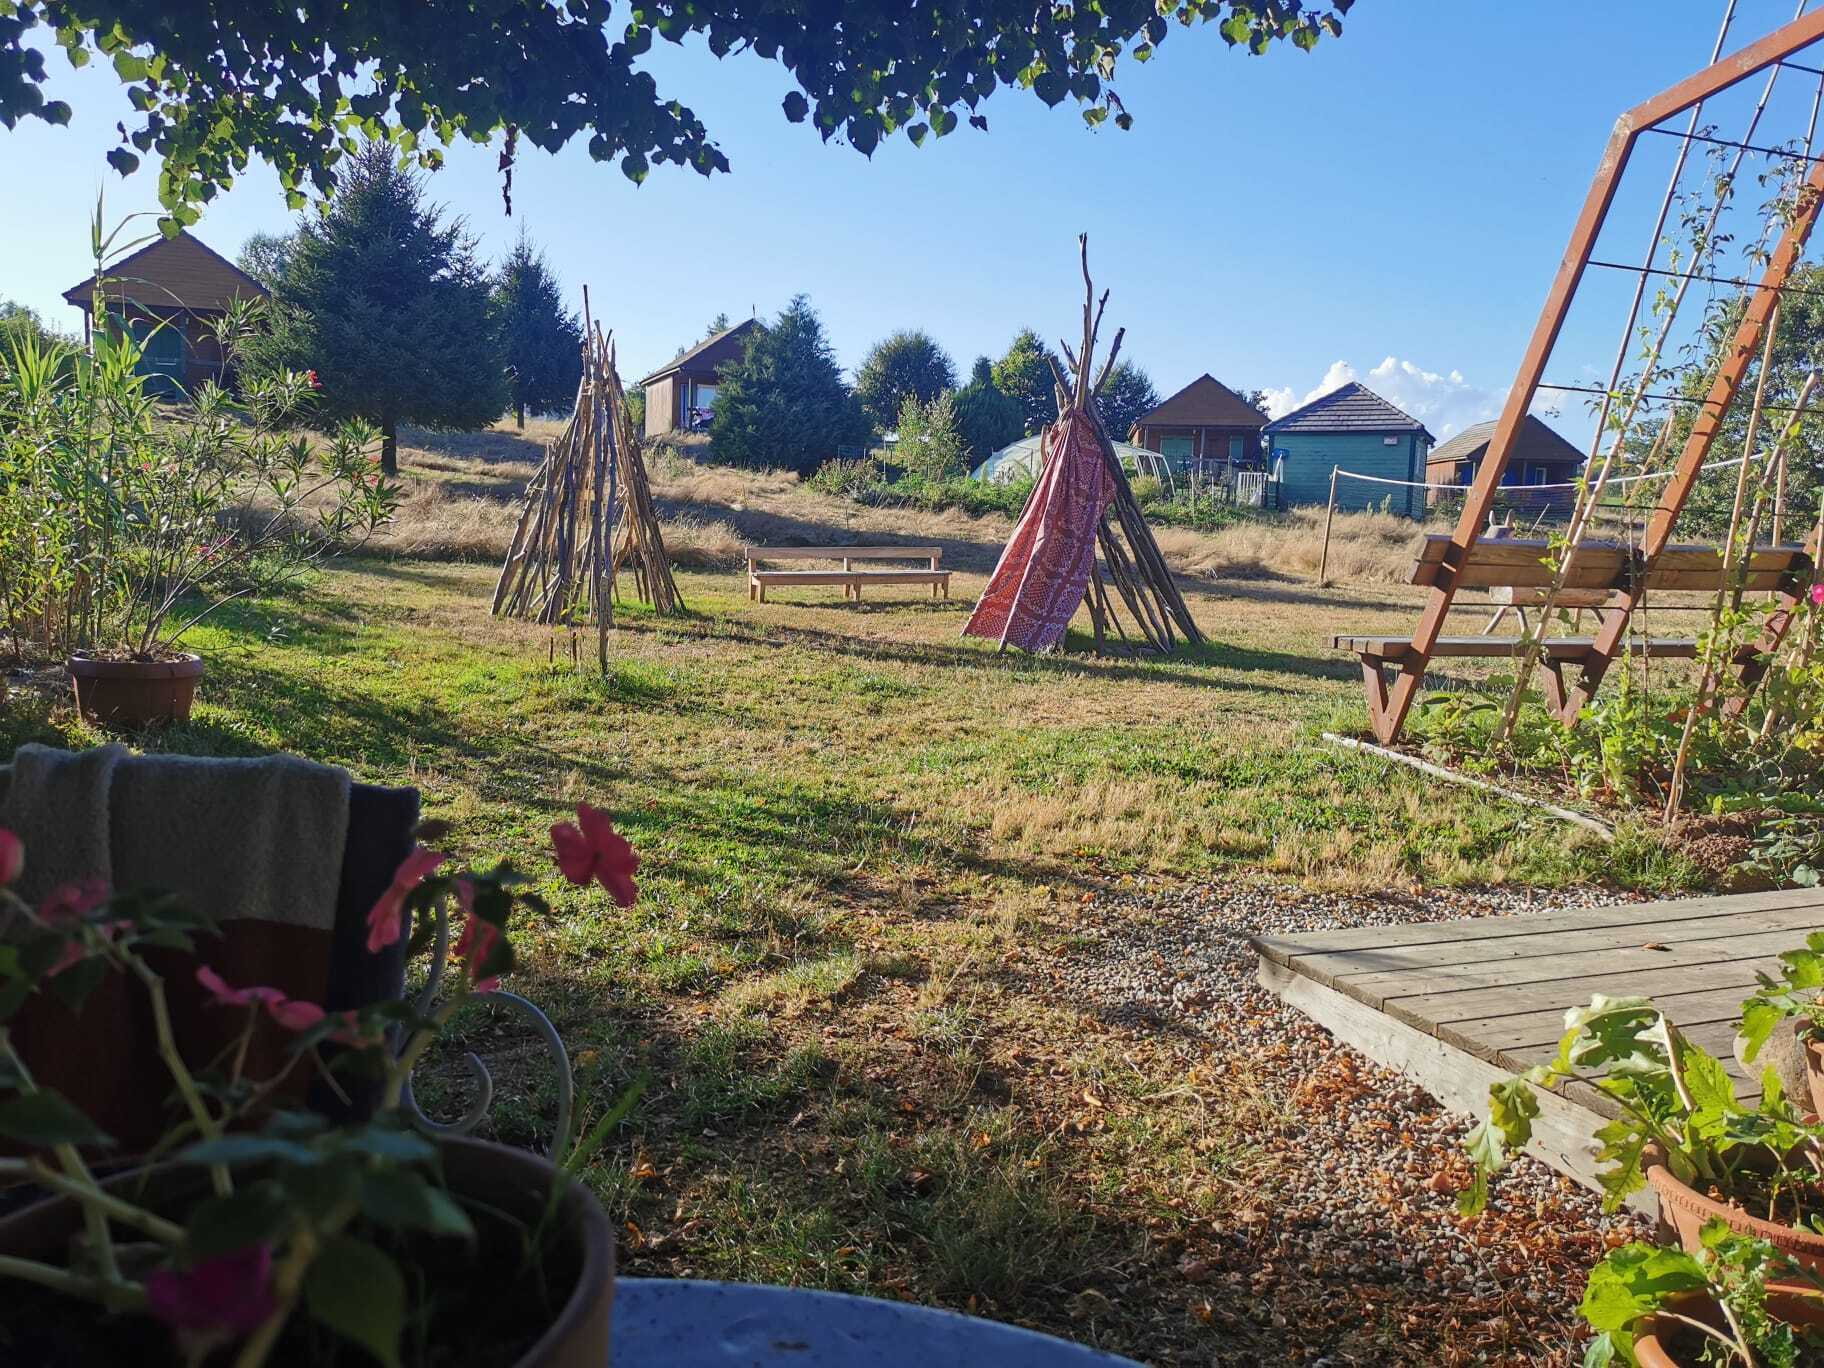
x: 135, y: 693
x: 1686, y: 1210
x: 507, y: 1180
x: 1811, y: 1044
x: 1796, y: 1305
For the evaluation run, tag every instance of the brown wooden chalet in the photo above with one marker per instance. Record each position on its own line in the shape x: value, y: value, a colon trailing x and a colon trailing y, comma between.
x: 681, y: 394
x: 1204, y: 422
x: 1540, y: 458
x: 169, y: 294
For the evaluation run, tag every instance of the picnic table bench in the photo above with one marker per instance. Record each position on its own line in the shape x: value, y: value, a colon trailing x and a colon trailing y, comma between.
x: 851, y: 579
x: 1607, y: 578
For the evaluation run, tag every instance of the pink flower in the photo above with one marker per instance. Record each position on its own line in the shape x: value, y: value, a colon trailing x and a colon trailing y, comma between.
x: 71, y: 902
x: 215, y: 1299
x: 65, y: 909
x: 1817, y: 595
x: 384, y: 922
x: 12, y: 856
x: 291, y: 1013
x: 474, y: 946
x: 590, y: 849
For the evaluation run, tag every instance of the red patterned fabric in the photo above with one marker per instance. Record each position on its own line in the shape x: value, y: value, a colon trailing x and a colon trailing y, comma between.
x: 1036, y: 587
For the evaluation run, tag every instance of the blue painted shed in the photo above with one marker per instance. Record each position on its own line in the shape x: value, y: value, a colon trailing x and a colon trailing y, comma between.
x: 1357, y: 430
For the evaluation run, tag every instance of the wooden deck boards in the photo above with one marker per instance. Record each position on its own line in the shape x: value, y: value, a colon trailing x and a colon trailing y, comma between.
x: 1457, y: 1004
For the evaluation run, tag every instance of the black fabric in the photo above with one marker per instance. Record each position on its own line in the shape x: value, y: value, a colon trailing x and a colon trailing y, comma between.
x: 380, y: 826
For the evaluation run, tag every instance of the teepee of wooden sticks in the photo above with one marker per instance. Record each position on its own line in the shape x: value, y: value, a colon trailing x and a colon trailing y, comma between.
x: 1128, y: 570
x: 588, y: 512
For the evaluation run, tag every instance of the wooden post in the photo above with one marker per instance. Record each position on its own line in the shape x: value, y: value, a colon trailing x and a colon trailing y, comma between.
x: 1323, y: 560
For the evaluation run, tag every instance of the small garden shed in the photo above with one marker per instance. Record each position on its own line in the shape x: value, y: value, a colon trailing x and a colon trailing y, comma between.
x: 1540, y: 459
x: 681, y: 394
x: 1355, y: 429
x: 170, y: 295
x: 1204, y: 422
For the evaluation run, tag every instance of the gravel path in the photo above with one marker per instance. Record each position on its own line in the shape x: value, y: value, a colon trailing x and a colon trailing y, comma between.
x: 1353, y: 1248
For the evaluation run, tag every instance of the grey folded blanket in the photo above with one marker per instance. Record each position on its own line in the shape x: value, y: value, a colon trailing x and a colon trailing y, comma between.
x: 258, y: 838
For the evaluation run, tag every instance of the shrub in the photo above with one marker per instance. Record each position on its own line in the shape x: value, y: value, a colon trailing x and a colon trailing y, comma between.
x: 930, y: 445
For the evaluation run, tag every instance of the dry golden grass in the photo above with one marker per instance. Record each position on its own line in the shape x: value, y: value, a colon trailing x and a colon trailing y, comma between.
x: 1365, y: 548
x: 463, y: 493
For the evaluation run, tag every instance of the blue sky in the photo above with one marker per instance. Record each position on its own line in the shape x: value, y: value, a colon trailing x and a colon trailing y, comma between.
x: 1391, y: 205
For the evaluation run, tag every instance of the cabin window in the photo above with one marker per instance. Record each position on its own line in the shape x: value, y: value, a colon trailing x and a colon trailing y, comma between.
x: 1237, y: 449
x: 1177, y: 448
x: 1536, y: 474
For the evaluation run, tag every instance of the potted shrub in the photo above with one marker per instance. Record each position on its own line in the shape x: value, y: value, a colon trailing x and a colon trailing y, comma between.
x: 258, y: 1235
x: 1735, y: 1300
x: 1680, y: 1128
x: 181, y: 510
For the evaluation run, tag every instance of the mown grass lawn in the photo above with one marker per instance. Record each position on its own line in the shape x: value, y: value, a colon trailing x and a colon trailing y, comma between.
x: 856, y: 827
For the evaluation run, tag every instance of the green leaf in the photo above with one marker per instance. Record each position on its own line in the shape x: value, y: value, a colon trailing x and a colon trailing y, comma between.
x: 1600, y: 1352
x: 917, y: 132
x: 44, y: 1118
x: 129, y: 66
x: 358, y: 1292
x: 256, y: 1214
x: 1051, y: 87
x: 796, y: 107
x: 249, y: 1149
x: 403, y: 1200
x: 1760, y: 1016
x: 123, y: 161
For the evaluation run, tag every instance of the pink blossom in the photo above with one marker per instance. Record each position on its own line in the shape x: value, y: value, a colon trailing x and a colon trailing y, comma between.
x: 293, y: 1014
x: 474, y: 946
x: 65, y: 909
x: 214, y: 1299
x: 590, y: 849
x: 12, y: 856
x: 384, y: 923
x: 1817, y: 595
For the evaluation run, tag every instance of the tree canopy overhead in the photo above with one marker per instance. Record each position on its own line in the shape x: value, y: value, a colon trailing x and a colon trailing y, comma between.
x: 297, y: 86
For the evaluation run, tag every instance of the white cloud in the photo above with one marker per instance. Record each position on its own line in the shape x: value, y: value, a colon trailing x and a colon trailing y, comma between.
x: 1442, y: 400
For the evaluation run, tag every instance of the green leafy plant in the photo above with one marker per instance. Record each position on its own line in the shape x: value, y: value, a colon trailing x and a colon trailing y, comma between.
x: 1677, y: 1105
x: 128, y: 520
x: 1732, y: 1273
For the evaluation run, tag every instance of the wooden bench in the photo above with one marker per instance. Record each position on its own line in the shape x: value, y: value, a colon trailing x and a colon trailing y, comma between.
x: 851, y: 579
x: 1605, y: 577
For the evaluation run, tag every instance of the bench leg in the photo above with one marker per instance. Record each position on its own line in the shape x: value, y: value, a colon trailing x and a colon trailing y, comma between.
x: 763, y: 593
x: 1555, y: 697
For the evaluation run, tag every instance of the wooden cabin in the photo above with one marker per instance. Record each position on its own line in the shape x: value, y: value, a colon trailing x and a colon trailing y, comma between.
x: 1540, y: 458
x: 1204, y: 423
x: 1355, y: 429
x: 681, y: 394
x: 169, y: 294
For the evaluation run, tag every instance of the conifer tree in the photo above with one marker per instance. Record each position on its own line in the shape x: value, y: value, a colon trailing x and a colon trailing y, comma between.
x: 385, y: 301
x: 784, y: 403
x: 543, y: 341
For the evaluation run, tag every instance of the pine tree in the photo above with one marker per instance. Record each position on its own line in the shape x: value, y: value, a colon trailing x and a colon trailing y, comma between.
x: 784, y: 402
x: 1024, y: 375
x: 387, y: 304
x: 909, y: 364
x: 543, y: 341
x: 986, y: 418
x: 1126, y: 396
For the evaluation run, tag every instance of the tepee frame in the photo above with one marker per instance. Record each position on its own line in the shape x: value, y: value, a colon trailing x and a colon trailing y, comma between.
x: 588, y: 512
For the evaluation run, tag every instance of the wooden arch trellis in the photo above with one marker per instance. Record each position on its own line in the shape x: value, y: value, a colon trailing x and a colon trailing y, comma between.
x: 1392, y: 687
